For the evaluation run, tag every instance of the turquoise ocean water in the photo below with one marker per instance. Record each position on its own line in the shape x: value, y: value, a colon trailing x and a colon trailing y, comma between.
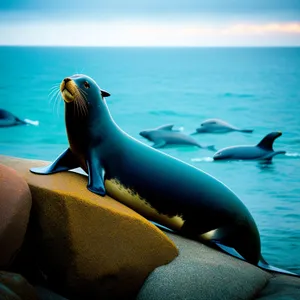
x: 256, y: 88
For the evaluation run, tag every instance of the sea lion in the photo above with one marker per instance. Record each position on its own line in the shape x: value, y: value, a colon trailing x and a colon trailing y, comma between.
x: 218, y: 126
x: 165, y: 136
x: 158, y: 186
x: 262, y: 151
x: 7, y: 119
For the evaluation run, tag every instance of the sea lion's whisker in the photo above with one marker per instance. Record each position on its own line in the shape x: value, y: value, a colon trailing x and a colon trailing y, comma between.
x: 81, y: 109
x: 78, y: 103
x: 53, y: 90
x: 52, y: 93
x: 85, y: 108
x: 77, y: 108
x: 57, y: 102
x: 55, y: 86
x: 74, y: 107
x: 82, y: 105
x: 52, y: 99
x: 81, y: 98
x: 84, y: 100
x: 83, y: 93
x: 82, y: 90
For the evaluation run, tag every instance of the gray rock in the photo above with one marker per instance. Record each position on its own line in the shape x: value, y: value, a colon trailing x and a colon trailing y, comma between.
x: 200, y: 272
x: 45, y: 294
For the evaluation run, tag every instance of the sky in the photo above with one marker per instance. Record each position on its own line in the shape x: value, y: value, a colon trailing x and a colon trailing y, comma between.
x: 184, y: 23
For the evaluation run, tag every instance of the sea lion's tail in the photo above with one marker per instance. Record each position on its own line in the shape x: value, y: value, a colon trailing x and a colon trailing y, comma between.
x: 264, y: 265
x: 231, y: 251
x: 261, y: 263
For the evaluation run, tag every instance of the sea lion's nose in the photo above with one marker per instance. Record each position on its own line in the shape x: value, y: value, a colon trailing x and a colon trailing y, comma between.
x: 67, y: 79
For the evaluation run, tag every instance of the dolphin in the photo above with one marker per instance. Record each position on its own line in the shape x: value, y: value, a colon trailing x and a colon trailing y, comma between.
x: 165, y: 135
x: 7, y: 119
x: 262, y: 151
x: 218, y: 126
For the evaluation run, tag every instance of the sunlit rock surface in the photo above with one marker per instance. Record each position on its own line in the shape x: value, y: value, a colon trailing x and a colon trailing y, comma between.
x: 85, y: 245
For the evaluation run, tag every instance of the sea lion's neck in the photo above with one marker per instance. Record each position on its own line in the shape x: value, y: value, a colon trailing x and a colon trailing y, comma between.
x: 95, y: 127
x: 101, y: 124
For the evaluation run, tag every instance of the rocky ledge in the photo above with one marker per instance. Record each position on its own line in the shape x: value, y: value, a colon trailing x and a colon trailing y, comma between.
x: 82, y: 246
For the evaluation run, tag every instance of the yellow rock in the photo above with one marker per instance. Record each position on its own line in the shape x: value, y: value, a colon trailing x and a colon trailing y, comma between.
x: 89, y: 246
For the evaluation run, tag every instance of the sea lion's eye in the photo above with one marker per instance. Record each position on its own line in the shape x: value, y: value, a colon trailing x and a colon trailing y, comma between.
x: 86, y: 85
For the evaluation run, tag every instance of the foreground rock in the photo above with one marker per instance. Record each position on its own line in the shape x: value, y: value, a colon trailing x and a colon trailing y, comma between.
x: 15, y: 287
x: 87, y: 247
x: 202, y: 273
x: 83, y: 245
x: 15, y: 205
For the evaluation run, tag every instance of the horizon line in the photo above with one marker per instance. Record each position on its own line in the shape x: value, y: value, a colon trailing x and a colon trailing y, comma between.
x: 150, y: 46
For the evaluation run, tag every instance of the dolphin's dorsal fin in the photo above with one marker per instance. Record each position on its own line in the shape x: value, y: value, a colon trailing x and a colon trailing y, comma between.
x: 267, y: 142
x: 168, y: 127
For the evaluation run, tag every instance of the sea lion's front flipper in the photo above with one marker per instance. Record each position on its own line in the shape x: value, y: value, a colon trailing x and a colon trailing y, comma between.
x: 96, y: 174
x: 66, y: 161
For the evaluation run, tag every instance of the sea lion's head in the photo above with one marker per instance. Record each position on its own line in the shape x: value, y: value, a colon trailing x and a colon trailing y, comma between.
x: 81, y: 90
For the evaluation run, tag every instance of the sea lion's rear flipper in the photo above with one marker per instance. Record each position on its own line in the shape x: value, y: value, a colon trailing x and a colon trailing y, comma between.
x: 218, y: 238
x: 66, y: 161
x: 96, y: 173
x: 159, y: 144
x: 264, y: 265
x: 229, y: 250
x: 261, y: 263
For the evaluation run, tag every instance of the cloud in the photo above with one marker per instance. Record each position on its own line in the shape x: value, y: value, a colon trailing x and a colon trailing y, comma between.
x: 148, y: 33
x: 245, y: 28
x: 277, y: 28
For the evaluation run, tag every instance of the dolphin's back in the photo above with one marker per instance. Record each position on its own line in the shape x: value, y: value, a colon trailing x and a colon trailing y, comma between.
x: 172, y: 138
x: 242, y: 152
